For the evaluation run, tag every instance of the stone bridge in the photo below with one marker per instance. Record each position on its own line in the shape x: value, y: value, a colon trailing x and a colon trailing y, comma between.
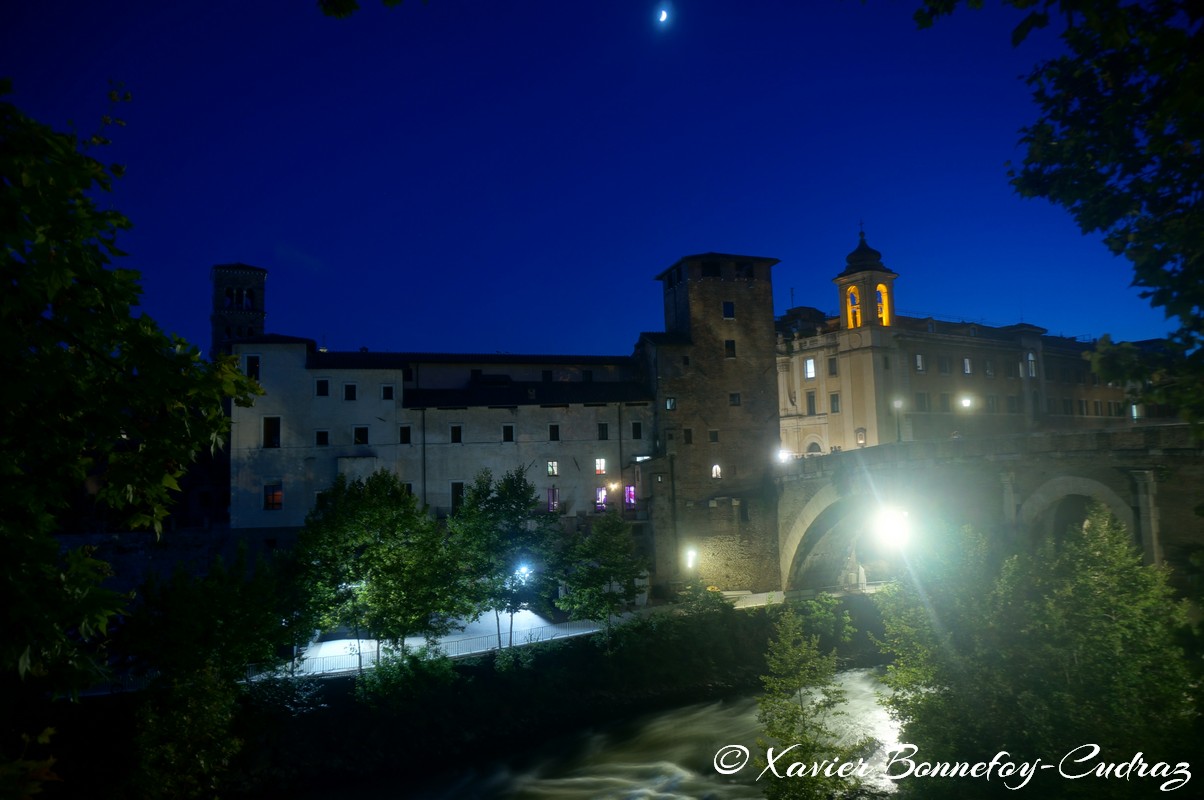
x: 1150, y: 477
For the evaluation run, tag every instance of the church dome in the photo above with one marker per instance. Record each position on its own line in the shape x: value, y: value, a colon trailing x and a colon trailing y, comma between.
x: 863, y: 258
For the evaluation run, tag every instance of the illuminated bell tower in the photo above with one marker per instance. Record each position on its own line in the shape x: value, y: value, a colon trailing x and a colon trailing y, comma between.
x: 867, y: 289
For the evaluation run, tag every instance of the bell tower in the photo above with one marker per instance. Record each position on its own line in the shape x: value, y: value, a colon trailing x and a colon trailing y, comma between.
x: 867, y: 289
x: 238, y: 305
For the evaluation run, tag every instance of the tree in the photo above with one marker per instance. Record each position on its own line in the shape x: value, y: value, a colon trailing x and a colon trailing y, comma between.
x: 1119, y: 142
x: 103, y: 412
x: 599, y: 570
x: 1070, y: 644
x: 506, y: 543
x: 802, y: 700
x: 369, y: 558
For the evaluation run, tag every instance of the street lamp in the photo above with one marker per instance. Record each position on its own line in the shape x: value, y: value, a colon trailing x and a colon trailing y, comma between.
x: 892, y: 528
x: 897, y: 403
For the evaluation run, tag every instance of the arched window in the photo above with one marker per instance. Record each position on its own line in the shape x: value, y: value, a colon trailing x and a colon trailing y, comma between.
x: 1031, y: 361
x: 229, y: 297
x: 854, y: 303
x: 716, y: 472
x: 814, y: 448
x: 883, y: 305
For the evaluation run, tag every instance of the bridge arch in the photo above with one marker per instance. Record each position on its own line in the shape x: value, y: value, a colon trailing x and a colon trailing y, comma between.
x: 1039, y: 511
x: 793, y: 543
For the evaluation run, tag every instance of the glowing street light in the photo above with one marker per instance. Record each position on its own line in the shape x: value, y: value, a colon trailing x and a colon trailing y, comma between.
x: 785, y: 455
x: 691, y: 558
x: 892, y: 527
x: 966, y: 402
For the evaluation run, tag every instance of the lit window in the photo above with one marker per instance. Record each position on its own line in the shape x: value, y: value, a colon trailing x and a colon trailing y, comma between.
x: 273, y: 496
x: 271, y: 431
x: 919, y: 362
x: 321, y: 438
x: 966, y: 368
x: 854, y: 315
x: 1031, y: 360
x: 809, y: 368
x: 553, y: 468
x: 349, y: 391
x: 629, y: 496
x: 553, y: 498
x: 600, y: 498
x: 599, y: 466
x: 322, y: 387
x: 253, y: 367
x: 716, y: 472
x: 359, y: 434
x: 457, y: 434
x: 670, y: 403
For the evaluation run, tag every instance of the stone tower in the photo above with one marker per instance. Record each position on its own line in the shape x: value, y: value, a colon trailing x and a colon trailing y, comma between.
x: 238, y: 305
x: 715, y: 376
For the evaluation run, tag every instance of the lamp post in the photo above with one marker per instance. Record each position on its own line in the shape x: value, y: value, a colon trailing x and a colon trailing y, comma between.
x: 897, y: 404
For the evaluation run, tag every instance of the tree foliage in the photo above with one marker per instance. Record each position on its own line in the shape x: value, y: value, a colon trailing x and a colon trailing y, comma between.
x: 369, y: 558
x: 599, y: 569
x: 1070, y: 644
x: 802, y: 699
x: 1119, y: 142
x: 506, y: 543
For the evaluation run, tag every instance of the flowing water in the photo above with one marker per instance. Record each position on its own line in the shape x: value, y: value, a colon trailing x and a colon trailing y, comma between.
x: 670, y: 755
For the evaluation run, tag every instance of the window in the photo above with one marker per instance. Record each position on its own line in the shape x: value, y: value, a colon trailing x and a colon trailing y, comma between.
x: 404, y: 435
x: 729, y: 309
x: 992, y: 404
x: 547, y: 376
x: 919, y: 362
x: 253, y: 367
x: 944, y: 365
x: 811, y: 404
x: 945, y: 402
x: 716, y: 472
x: 809, y: 368
x: 729, y: 348
x: 988, y: 368
x: 599, y: 466
x: 1097, y: 408
x: 600, y: 498
x: 553, y: 433
x: 349, y: 391
x: 457, y: 434
x: 359, y: 434
x: 832, y: 366
x: 321, y: 438
x: 603, y: 431
x: 710, y: 269
x: 322, y: 387
x: 629, y: 496
x: 834, y: 403
x: 457, y: 495
x: 273, y: 496
x: 1031, y: 361
x: 687, y: 436
x: 670, y: 403
x: 744, y: 270
x: 271, y: 431
x: 733, y: 398
x: 507, y: 433
x: 1013, y: 404
x: 713, y: 436
x: 1082, y: 407
x: 553, y: 499
x: 966, y: 368
x: 386, y: 391
x: 685, y: 361
x: 921, y: 401
x: 553, y: 468
x: 1067, y: 406
x: 637, y: 430
x: 1012, y: 369
x: 407, y: 489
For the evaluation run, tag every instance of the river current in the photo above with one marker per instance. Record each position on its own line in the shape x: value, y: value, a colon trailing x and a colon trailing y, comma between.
x: 670, y: 755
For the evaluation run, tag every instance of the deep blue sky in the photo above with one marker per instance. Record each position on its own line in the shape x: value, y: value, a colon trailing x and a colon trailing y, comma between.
x: 510, y: 175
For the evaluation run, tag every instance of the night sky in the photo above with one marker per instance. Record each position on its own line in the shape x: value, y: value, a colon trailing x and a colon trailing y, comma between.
x: 509, y: 176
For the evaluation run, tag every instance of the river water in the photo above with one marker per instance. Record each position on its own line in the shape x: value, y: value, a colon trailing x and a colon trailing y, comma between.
x: 670, y: 755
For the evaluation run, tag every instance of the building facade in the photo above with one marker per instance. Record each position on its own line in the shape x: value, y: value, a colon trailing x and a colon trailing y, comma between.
x: 682, y: 436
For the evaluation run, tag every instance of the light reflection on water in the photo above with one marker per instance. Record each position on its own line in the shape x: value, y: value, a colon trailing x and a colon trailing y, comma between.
x: 669, y: 755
